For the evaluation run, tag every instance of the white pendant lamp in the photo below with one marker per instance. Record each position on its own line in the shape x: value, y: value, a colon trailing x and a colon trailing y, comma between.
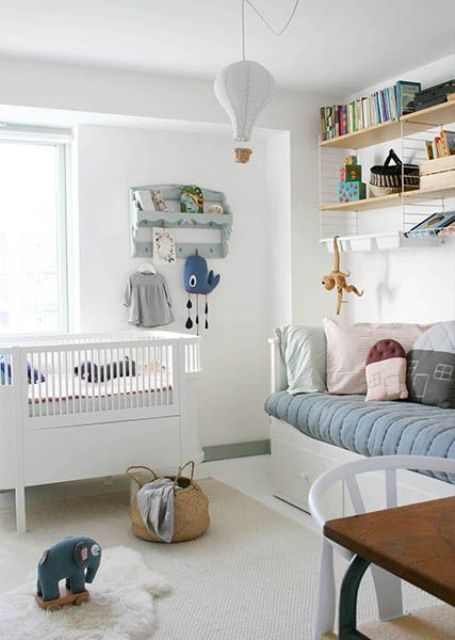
x: 244, y: 88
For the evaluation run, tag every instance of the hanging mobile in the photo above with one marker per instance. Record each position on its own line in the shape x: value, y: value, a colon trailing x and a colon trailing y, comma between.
x: 197, y: 314
x: 198, y: 280
x: 189, y: 306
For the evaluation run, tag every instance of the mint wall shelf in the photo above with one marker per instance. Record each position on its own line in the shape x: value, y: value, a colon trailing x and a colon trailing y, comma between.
x: 145, y: 218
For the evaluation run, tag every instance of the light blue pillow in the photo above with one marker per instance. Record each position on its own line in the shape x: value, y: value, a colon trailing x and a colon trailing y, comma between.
x: 303, y: 350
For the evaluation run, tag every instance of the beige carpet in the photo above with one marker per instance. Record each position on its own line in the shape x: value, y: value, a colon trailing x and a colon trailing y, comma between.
x: 252, y: 576
x: 430, y: 623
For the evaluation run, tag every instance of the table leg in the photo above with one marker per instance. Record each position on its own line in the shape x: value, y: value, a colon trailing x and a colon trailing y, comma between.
x: 348, y: 600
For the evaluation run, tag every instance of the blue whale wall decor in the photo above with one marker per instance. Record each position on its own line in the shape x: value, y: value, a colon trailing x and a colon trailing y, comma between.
x: 198, y: 280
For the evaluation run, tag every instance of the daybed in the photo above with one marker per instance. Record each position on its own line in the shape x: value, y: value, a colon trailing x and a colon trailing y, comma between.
x: 313, y: 432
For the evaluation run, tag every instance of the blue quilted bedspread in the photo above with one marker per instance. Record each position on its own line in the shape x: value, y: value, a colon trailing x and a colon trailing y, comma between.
x: 369, y: 428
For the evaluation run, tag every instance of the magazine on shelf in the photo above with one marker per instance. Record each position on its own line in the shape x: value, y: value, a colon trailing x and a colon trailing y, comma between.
x: 432, y: 225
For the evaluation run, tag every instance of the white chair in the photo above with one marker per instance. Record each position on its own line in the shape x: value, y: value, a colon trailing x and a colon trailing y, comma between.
x: 387, y: 586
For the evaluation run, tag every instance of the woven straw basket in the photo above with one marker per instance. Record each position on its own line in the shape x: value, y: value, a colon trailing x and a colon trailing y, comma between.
x: 191, y: 505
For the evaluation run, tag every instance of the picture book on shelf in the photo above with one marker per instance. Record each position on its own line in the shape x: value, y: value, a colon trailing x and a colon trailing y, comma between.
x: 433, y: 224
x: 442, y: 146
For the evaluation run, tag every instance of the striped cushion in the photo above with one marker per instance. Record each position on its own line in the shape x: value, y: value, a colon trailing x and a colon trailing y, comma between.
x: 303, y: 351
x: 348, y: 348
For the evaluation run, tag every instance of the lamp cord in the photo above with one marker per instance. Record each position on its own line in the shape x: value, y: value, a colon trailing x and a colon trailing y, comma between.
x: 276, y: 32
x: 243, y: 29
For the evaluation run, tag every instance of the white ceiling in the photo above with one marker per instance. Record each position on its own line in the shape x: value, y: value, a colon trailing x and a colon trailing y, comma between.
x: 335, y: 46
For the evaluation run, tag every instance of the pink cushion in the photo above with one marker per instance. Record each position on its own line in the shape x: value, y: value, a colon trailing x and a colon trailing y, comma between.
x: 348, y: 349
x: 386, y: 371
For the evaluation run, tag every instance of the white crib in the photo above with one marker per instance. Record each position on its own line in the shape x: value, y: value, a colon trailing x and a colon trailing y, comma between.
x: 68, y: 413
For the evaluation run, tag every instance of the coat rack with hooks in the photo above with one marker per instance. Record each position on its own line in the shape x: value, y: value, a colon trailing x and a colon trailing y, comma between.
x: 144, y: 216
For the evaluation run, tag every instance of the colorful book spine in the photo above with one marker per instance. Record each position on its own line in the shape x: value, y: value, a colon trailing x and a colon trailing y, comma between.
x: 363, y: 112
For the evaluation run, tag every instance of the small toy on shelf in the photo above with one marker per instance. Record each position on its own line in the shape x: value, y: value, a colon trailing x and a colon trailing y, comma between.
x: 76, y: 560
x: 351, y: 187
x: 337, y: 278
x: 216, y: 208
x: 159, y: 201
x: 351, y: 173
x: 191, y: 199
x: 198, y: 280
x: 351, y: 191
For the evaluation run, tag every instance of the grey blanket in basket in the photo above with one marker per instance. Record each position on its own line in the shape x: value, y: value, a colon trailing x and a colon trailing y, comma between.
x: 156, y: 506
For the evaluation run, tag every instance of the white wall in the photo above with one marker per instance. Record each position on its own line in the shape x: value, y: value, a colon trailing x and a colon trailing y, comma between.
x: 269, y: 278
x: 76, y: 92
x: 110, y: 160
x: 413, y: 285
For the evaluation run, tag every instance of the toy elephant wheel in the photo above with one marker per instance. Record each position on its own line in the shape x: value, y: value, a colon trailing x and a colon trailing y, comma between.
x: 84, y: 597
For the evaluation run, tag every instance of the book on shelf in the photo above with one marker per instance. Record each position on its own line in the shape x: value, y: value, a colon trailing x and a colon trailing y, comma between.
x: 436, y: 224
x: 406, y: 91
x: 366, y: 111
x: 442, y: 146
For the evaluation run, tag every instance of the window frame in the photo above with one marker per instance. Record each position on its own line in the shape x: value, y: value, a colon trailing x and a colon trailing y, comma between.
x: 62, y: 140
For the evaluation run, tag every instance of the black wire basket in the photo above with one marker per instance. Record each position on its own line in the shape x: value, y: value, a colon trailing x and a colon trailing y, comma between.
x: 386, y: 179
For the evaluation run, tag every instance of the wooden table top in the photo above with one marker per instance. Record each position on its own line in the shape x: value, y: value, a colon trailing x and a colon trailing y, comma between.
x: 415, y: 542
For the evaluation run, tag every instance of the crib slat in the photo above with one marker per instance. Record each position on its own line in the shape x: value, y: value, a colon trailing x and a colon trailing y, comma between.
x: 42, y: 371
x: 124, y: 384
x: 71, y: 380
x: 31, y: 360
x: 98, y: 386
x: 82, y: 381
x: 110, y: 387
x: 132, y: 396
x: 168, y: 361
x: 149, y: 376
x: 47, y: 382
x: 62, y: 391
x: 90, y: 402
x: 142, y: 375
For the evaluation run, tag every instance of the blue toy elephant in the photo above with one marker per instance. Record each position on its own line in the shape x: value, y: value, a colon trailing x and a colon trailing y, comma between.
x: 75, y: 559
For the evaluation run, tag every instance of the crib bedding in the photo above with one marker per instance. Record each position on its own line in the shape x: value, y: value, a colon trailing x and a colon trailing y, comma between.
x: 369, y: 428
x: 61, y: 388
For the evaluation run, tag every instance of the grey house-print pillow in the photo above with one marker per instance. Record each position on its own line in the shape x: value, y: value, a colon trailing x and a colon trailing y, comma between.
x: 431, y: 378
x: 431, y: 367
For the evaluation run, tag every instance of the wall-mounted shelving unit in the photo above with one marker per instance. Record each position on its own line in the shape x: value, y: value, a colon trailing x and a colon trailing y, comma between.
x: 380, y: 242
x: 401, y: 211
x: 381, y: 202
x: 145, y: 219
x: 422, y: 120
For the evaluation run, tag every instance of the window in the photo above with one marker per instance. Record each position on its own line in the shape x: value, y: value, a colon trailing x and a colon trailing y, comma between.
x: 33, y: 266
x: 443, y: 371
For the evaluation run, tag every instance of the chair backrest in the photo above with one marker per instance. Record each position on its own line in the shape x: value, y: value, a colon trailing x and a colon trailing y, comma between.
x: 389, y: 464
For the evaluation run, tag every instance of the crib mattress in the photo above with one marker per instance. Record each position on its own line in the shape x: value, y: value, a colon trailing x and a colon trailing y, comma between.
x: 57, y: 388
x: 369, y: 428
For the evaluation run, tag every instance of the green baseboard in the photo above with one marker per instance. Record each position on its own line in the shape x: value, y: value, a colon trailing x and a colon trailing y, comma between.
x: 236, y: 450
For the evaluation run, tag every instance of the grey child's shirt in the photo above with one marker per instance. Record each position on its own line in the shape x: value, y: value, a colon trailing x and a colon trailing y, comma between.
x: 148, y: 299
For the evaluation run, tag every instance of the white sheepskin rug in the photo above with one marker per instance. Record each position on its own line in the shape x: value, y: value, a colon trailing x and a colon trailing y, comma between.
x: 121, y: 605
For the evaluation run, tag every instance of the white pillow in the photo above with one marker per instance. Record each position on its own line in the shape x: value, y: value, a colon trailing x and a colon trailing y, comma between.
x: 348, y: 348
x: 303, y: 350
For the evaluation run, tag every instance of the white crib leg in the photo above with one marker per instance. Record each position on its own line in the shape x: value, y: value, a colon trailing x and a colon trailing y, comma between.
x: 21, y: 523
x: 326, y: 605
x: 388, y: 594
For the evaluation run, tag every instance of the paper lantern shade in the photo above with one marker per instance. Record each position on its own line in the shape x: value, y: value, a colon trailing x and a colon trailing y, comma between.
x: 243, y: 89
